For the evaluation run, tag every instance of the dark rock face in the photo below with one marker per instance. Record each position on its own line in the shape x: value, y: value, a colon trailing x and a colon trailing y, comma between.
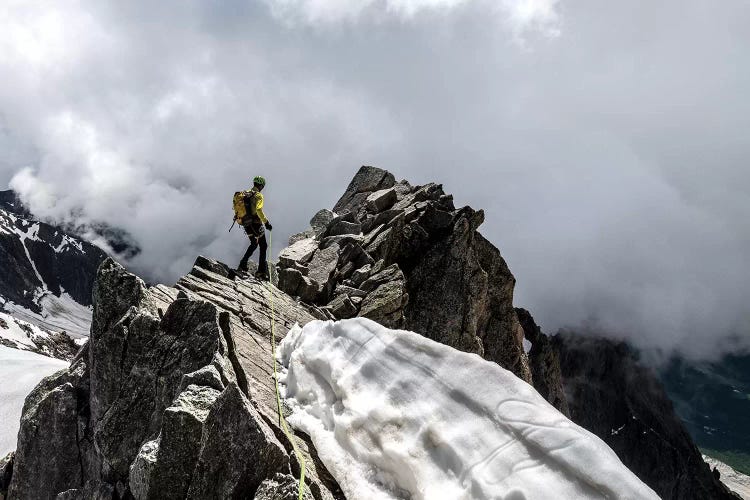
x: 39, y: 258
x: 545, y: 363
x: 171, y: 398
x: 623, y: 403
x: 6, y: 471
x: 49, y: 458
x: 403, y: 255
x: 10, y: 202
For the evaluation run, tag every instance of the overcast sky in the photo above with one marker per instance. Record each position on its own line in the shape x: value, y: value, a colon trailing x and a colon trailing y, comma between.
x: 608, y: 142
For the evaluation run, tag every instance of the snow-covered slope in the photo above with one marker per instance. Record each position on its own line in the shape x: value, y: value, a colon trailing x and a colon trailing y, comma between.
x: 396, y: 415
x: 60, y: 314
x: 46, y: 274
x: 736, y: 481
x: 19, y: 334
x: 20, y: 371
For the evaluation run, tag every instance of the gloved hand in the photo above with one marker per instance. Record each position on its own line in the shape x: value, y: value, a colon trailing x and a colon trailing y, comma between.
x: 269, y: 226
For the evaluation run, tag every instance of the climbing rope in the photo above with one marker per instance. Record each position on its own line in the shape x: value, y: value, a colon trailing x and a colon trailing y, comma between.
x: 282, y: 420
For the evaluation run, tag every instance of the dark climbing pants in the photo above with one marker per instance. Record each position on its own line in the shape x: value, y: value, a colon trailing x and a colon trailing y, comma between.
x: 257, y: 239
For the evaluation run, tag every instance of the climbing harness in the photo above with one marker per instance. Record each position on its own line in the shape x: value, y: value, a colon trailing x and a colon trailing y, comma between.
x: 282, y: 420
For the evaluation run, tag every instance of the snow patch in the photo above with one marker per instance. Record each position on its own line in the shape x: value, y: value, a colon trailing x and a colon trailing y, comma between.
x: 396, y: 415
x: 615, y: 432
x: 61, y: 313
x: 20, y: 332
x: 25, y: 370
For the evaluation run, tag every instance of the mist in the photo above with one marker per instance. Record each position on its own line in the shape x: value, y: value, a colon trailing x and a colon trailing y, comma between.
x: 606, y: 143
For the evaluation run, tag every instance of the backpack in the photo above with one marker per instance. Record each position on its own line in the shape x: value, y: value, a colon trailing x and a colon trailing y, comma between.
x: 243, y: 206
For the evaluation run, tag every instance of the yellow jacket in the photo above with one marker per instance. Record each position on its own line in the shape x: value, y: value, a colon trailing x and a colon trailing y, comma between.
x: 257, y: 210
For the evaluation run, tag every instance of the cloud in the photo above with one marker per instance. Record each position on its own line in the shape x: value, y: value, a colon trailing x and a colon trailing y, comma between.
x: 519, y: 16
x: 607, y: 145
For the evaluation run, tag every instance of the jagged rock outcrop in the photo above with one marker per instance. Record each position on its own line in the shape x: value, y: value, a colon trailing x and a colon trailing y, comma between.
x: 6, y: 472
x: 612, y: 395
x: 544, y: 361
x: 404, y: 256
x: 171, y: 398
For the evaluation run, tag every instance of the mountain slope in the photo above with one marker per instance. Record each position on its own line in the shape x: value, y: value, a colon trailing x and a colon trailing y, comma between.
x: 47, y: 275
x: 623, y: 402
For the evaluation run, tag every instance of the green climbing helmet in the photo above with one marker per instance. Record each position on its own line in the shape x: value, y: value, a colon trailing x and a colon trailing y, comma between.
x: 259, y: 181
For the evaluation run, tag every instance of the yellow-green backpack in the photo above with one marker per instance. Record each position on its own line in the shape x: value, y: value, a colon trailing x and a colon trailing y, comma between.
x: 242, y: 203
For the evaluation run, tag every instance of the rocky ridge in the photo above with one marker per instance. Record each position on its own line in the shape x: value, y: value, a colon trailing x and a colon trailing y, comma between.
x: 405, y: 257
x: 173, y: 397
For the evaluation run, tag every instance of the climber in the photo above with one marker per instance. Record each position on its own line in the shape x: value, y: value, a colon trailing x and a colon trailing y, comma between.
x: 248, y: 211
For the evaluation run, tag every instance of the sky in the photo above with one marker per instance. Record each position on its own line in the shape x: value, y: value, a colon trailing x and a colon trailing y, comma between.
x: 607, y: 142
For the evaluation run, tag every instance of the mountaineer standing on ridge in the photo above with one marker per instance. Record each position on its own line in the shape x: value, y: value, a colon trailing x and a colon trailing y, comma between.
x: 248, y: 211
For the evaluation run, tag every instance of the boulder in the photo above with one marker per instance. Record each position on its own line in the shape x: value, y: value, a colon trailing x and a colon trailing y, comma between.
x: 381, y: 200
x: 320, y: 220
x: 298, y: 253
x: 367, y: 180
x: 307, y: 233
x: 212, y: 265
x: 340, y: 227
x: 309, y: 290
x: 229, y: 467
x: 290, y: 280
x: 342, y: 307
x: 360, y: 275
x: 323, y: 264
x: 386, y: 304
x: 391, y: 273
x: 384, y: 217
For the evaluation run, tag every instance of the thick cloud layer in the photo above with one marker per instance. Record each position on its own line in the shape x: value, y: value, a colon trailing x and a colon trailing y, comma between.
x: 606, y: 143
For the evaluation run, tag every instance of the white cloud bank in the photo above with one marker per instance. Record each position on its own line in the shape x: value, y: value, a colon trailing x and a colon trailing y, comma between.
x: 606, y: 143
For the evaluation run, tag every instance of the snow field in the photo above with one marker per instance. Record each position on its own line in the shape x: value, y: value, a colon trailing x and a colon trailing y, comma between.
x: 395, y: 415
x: 20, y: 332
x: 58, y: 314
x: 20, y: 372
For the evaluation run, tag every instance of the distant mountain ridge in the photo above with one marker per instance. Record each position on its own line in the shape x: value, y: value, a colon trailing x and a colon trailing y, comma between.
x: 47, y: 275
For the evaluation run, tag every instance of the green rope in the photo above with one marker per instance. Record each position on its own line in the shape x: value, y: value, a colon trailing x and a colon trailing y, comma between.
x: 282, y: 420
